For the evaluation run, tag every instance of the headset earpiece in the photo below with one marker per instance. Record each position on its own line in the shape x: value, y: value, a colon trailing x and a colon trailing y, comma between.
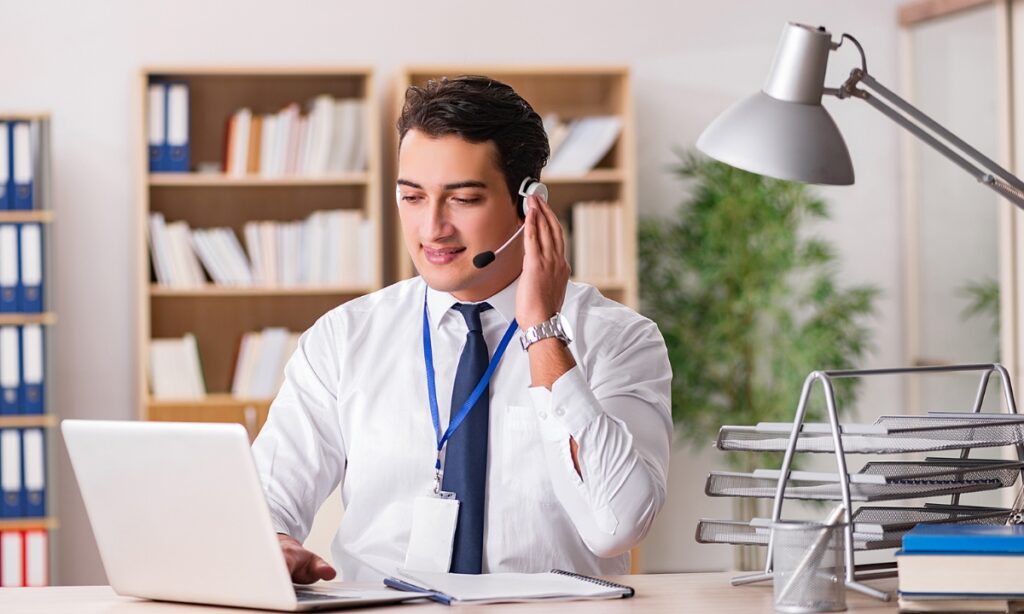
x: 530, y: 187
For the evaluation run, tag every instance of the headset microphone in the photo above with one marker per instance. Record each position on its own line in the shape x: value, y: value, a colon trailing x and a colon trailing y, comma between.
x: 529, y: 187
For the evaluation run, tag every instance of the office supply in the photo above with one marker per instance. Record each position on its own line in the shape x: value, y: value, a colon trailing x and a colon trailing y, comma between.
x: 33, y: 460
x: 22, y: 165
x: 9, y: 268
x: 30, y: 286
x: 156, y: 127
x: 12, y: 559
x: 178, y: 152
x: 557, y: 585
x: 153, y: 523
x: 32, y: 369
x: 36, y: 558
x: 11, y: 475
x: 6, y: 189
x: 871, y: 527
x: 10, y: 370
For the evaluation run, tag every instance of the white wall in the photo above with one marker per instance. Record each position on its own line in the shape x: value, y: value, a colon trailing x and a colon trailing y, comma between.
x: 80, y: 60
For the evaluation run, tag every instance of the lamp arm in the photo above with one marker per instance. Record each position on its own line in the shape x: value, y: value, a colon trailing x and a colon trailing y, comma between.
x: 991, y: 174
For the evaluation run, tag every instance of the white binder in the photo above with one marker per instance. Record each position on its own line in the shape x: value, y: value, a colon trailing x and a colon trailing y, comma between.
x: 11, y: 551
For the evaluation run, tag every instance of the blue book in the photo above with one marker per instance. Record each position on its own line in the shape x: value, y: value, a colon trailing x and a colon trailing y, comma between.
x: 10, y: 256
x: 964, y: 539
x: 177, y: 150
x: 12, y: 504
x: 33, y: 466
x: 32, y: 369
x: 30, y: 281
x: 22, y: 165
x: 157, y: 131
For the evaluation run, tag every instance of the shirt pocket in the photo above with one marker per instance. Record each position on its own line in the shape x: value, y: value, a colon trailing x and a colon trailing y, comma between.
x: 524, y: 469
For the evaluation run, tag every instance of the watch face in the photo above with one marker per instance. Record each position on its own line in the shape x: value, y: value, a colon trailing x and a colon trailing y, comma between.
x: 563, y: 322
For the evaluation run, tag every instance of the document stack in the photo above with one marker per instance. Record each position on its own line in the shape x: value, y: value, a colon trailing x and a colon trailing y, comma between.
x: 329, y: 248
x: 597, y: 242
x: 259, y: 371
x: 579, y: 145
x: 328, y: 138
x: 168, y: 128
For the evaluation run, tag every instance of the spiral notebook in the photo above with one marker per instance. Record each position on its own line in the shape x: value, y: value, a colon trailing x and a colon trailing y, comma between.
x: 556, y: 585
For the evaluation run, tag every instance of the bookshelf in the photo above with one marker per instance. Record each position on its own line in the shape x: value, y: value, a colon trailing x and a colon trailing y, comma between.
x: 34, y: 524
x: 216, y: 315
x: 571, y: 93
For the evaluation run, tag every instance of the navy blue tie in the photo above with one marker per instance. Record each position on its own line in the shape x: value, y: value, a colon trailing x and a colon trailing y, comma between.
x: 465, y: 460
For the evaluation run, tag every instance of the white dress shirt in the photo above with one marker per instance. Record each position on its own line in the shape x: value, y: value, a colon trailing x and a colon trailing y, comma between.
x: 353, y: 410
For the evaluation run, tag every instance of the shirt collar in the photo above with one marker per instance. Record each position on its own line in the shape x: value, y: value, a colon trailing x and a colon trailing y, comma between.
x: 439, y: 304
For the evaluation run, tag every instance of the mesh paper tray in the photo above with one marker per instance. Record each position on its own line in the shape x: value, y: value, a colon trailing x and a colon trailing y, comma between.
x: 877, y: 481
x: 888, y: 435
x: 874, y: 528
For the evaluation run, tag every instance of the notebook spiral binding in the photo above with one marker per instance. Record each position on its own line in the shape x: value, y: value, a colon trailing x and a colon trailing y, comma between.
x: 629, y: 592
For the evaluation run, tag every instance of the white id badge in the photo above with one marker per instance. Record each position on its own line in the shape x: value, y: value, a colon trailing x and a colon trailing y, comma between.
x: 433, y: 533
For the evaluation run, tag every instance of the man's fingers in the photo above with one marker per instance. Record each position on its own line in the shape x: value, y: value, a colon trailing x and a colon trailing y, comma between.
x: 556, y: 227
x: 312, y: 569
x: 544, y: 238
x: 530, y: 234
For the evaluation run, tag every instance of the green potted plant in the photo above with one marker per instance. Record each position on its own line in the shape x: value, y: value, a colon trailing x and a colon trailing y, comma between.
x: 747, y: 300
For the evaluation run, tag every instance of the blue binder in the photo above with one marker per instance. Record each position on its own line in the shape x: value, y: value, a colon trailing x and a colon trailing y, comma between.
x: 22, y: 164
x: 32, y: 369
x: 5, y: 166
x: 33, y: 466
x: 157, y: 132
x: 9, y: 266
x: 30, y: 279
x: 10, y: 371
x: 12, y: 503
x: 178, y: 150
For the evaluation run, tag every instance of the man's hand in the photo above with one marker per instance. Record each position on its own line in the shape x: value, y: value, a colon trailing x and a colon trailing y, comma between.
x: 304, y: 566
x: 545, y: 269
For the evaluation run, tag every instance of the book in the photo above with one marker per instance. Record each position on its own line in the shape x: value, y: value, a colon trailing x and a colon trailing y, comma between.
x: 910, y: 603
x: 962, y: 559
x: 556, y: 585
x: 968, y: 538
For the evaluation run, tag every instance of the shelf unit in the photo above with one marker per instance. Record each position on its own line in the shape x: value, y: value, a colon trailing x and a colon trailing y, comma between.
x: 43, y: 214
x: 571, y: 92
x: 871, y: 527
x: 219, y: 316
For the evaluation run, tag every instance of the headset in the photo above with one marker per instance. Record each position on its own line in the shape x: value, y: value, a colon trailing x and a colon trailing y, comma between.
x: 529, y: 187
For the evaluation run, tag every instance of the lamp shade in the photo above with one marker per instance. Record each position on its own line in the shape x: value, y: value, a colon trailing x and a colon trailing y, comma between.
x: 783, y: 131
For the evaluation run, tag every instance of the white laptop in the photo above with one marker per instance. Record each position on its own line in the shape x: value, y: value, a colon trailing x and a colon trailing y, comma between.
x: 179, y: 515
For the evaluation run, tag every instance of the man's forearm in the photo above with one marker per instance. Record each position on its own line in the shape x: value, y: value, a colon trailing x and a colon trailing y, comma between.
x: 550, y: 359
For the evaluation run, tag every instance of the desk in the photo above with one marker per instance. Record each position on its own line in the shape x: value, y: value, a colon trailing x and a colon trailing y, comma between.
x: 668, y: 593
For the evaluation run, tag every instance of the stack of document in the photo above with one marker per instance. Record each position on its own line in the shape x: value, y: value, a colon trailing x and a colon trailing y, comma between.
x: 557, y: 585
x: 175, y: 372
x: 580, y: 145
x: 597, y: 240
x: 259, y: 371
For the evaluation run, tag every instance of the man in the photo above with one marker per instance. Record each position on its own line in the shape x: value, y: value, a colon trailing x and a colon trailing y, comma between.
x: 561, y: 459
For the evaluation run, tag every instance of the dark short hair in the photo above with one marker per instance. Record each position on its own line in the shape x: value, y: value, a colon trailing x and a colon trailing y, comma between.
x: 480, y: 109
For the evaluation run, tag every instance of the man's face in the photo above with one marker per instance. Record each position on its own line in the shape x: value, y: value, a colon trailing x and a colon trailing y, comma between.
x: 454, y: 203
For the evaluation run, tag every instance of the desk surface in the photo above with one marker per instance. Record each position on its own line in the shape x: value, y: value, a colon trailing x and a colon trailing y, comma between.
x: 675, y: 593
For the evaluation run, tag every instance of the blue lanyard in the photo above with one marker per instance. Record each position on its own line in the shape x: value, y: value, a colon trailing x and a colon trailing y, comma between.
x: 456, y: 421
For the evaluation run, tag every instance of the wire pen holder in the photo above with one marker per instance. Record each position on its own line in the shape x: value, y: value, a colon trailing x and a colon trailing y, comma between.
x: 871, y: 527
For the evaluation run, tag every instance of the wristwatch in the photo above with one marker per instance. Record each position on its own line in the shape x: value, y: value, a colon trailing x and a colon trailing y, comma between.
x: 557, y: 327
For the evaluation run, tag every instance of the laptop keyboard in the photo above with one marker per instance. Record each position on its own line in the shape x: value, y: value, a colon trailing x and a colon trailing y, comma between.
x: 302, y: 595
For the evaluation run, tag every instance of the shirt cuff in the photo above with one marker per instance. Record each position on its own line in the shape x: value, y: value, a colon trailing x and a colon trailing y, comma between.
x: 568, y: 408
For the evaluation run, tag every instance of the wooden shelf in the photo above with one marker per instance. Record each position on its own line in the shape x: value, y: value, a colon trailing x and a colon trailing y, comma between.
x: 21, y: 217
x: 211, y: 400
x: 601, y: 175
x: 224, y: 181
x: 28, y: 421
x: 210, y: 290
x: 614, y: 285
x: 20, y: 319
x: 26, y: 524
